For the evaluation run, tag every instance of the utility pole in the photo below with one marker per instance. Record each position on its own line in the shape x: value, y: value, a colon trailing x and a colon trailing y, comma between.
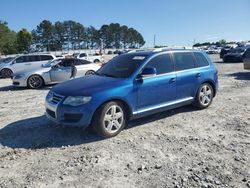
x: 194, y: 42
x: 154, y: 39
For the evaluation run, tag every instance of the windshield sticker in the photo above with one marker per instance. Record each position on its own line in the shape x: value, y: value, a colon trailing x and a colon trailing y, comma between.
x: 138, y: 57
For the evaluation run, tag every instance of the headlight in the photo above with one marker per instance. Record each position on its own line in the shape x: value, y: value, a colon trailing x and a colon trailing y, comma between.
x: 76, y: 101
x: 18, y: 76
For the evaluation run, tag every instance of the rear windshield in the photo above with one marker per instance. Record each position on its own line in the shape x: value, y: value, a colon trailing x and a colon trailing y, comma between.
x: 122, y: 66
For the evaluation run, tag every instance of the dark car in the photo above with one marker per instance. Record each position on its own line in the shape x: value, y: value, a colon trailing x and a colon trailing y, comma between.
x: 224, y: 51
x: 134, y: 85
x: 234, y: 55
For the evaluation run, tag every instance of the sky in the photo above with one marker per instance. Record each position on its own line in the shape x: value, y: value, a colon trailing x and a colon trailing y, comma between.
x: 173, y: 22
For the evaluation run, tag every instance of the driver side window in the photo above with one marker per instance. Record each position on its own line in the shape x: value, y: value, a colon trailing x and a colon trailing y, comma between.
x: 19, y: 60
x: 162, y: 63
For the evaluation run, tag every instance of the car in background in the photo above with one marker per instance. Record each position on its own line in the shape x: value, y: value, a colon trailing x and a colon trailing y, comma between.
x: 246, y: 59
x: 93, y: 58
x: 234, y: 55
x: 24, y: 63
x: 55, y: 71
x: 134, y: 85
x: 212, y: 51
x: 224, y: 51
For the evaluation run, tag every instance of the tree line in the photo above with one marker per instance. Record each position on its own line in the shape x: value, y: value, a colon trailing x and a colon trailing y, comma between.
x: 67, y: 35
x: 12, y: 42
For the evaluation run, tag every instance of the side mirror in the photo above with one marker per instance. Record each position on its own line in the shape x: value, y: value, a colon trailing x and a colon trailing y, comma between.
x: 148, y: 72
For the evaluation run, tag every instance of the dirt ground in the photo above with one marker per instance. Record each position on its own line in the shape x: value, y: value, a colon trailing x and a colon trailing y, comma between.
x: 178, y: 148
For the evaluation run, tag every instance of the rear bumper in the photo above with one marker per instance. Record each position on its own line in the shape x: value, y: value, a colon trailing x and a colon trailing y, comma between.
x: 232, y: 59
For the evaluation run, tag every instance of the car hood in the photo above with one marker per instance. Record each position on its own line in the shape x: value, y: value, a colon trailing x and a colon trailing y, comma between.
x: 87, y: 85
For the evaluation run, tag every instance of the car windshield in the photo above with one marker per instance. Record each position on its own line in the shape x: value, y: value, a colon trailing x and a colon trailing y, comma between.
x: 6, y: 60
x: 236, y: 50
x: 51, y: 63
x: 122, y: 66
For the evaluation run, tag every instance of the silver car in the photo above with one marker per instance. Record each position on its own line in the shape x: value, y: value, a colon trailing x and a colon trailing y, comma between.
x: 24, y: 63
x: 55, y: 71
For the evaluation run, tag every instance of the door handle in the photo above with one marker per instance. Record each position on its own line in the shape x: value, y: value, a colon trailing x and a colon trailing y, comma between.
x: 198, y: 75
x: 27, y: 64
x: 172, y: 80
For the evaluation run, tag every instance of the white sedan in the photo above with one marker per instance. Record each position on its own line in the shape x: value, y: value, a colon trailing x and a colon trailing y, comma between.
x: 55, y: 71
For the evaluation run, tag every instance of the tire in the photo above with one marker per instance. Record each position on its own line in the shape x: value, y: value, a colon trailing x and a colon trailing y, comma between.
x: 6, y: 73
x: 109, y: 119
x: 96, y: 61
x: 35, y: 82
x: 204, y: 96
x: 90, y: 72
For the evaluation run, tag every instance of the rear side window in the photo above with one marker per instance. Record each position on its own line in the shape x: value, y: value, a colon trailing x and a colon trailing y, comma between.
x: 183, y: 60
x: 162, y: 63
x: 201, y: 61
x: 46, y: 57
x: 83, y: 55
x: 32, y: 58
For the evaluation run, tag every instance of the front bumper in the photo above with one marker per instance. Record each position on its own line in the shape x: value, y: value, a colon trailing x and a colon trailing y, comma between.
x: 22, y: 82
x: 67, y: 115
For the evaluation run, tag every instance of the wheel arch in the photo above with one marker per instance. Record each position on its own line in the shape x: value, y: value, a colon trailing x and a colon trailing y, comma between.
x: 125, y: 104
x: 212, y: 84
x: 34, y: 75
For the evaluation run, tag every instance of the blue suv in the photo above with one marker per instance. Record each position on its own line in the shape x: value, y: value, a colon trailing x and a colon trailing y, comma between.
x: 134, y: 85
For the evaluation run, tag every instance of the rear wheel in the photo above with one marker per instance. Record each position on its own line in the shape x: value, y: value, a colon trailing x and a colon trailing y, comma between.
x: 109, y: 119
x: 6, y: 73
x: 204, y: 96
x: 96, y: 61
x: 35, y: 82
x: 90, y: 72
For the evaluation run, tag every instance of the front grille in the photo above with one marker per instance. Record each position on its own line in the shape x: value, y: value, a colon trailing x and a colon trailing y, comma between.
x: 69, y: 117
x: 51, y: 113
x: 56, y: 98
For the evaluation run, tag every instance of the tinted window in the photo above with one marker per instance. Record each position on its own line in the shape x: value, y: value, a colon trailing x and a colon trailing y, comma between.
x: 81, y: 62
x: 183, y: 60
x: 31, y: 58
x: 46, y: 57
x: 122, y: 66
x: 83, y: 55
x: 68, y: 62
x: 162, y: 63
x: 201, y: 61
x: 19, y: 59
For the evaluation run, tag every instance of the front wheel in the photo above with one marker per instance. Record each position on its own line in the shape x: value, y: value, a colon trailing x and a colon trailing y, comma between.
x: 35, y: 82
x: 109, y: 119
x: 6, y: 73
x: 204, y: 96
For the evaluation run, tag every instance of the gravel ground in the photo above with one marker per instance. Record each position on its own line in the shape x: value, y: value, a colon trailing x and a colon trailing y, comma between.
x: 178, y: 148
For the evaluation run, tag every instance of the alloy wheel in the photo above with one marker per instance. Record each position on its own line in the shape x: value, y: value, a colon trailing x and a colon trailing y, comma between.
x: 35, y: 82
x: 113, y: 119
x: 205, y: 95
